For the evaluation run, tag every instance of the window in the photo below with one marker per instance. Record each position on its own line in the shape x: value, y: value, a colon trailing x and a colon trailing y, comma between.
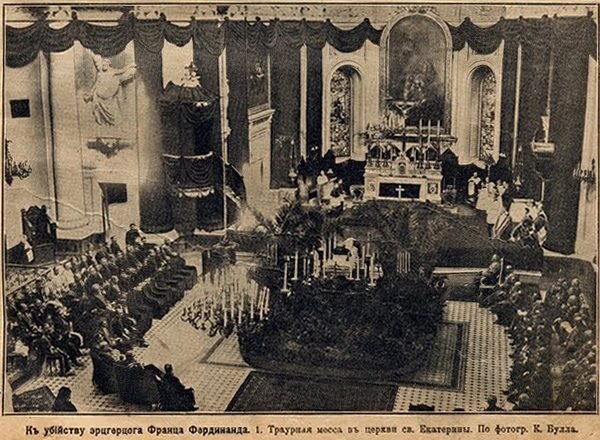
x: 344, y: 124
x: 19, y: 108
x: 483, y: 113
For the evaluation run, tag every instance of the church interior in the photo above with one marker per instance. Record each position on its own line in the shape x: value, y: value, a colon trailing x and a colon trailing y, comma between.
x: 320, y: 207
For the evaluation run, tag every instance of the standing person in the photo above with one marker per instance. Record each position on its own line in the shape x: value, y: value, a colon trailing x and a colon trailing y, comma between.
x: 492, y: 402
x: 133, y: 236
x: 321, y: 183
x: 472, y: 186
x: 63, y: 401
x: 114, y: 247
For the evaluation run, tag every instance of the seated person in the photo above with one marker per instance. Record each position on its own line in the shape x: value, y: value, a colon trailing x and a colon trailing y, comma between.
x: 63, y: 401
x: 174, y: 396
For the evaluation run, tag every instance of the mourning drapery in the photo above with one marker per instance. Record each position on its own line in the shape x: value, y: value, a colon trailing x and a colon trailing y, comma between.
x: 285, y: 99
x: 314, y: 104
x: 23, y: 44
x: 155, y: 205
x: 197, y: 184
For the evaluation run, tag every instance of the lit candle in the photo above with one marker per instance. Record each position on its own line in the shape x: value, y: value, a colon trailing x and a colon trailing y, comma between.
x: 252, y: 296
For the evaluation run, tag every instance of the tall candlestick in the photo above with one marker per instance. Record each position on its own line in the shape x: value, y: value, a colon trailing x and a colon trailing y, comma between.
x: 428, y: 133
x: 295, y: 278
x: 304, y: 266
x: 439, y: 129
x: 285, y: 277
x: 252, y: 305
x: 268, y: 295
x: 224, y: 310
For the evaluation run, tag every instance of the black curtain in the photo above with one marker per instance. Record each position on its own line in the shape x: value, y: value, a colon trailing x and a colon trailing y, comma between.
x: 533, y: 102
x: 507, y: 110
x: 567, y: 124
x: 23, y: 44
x: 209, y: 210
x: 155, y: 206
x: 314, y: 104
x: 285, y: 100
x: 237, y: 110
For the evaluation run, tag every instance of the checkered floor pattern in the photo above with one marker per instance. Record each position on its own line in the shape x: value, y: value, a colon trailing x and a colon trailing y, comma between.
x: 215, y: 369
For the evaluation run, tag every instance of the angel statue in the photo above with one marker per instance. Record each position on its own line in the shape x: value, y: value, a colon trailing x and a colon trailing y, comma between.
x: 104, y: 93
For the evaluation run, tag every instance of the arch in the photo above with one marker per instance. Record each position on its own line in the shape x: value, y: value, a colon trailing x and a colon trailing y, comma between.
x: 484, y: 110
x: 384, y: 57
x: 356, y: 117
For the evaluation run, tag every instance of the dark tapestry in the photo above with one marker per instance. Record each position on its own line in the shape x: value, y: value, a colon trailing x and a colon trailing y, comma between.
x: 155, y: 206
x: 285, y: 97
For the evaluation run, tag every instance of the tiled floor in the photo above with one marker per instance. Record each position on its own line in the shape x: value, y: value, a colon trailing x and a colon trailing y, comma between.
x: 215, y: 369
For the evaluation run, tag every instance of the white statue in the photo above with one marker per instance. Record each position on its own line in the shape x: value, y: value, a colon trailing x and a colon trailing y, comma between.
x: 104, y: 94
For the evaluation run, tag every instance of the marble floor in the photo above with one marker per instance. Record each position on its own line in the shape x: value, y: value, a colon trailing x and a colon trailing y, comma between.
x: 215, y: 369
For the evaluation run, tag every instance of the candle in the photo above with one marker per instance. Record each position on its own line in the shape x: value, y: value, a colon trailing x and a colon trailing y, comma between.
x: 267, y: 299
x: 261, y: 304
x: 231, y: 304
x: 285, y: 276
x: 295, y: 266
x: 439, y: 128
x: 304, y: 266
x: 224, y: 310
x: 428, y: 132
x: 252, y: 296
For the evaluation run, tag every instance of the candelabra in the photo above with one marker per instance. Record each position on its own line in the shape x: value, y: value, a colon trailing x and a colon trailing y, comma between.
x: 12, y: 168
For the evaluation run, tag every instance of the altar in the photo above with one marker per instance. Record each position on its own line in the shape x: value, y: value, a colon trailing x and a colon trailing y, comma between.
x: 404, y: 163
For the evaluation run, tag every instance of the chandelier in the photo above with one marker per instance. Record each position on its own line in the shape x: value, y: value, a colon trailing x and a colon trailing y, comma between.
x: 13, y: 168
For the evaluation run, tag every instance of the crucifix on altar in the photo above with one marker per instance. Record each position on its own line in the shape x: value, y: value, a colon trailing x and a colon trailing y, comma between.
x: 400, y: 190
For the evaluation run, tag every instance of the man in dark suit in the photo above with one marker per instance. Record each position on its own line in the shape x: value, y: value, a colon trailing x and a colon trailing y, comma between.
x: 114, y: 247
x: 133, y: 235
x: 174, y: 395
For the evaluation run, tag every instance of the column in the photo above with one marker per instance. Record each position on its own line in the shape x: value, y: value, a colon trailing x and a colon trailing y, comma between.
x: 224, y: 105
x: 585, y: 244
x: 67, y: 155
x: 303, y: 99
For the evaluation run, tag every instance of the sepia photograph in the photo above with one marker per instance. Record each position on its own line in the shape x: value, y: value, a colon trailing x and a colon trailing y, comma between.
x: 311, y: 208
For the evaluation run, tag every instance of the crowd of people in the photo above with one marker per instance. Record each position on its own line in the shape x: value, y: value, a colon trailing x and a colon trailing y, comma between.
x: 494, y: 199
x: 552, y: 335
x: 85, y: 304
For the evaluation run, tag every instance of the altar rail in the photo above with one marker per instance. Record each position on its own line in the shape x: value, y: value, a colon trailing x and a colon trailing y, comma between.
x: 466, y: 275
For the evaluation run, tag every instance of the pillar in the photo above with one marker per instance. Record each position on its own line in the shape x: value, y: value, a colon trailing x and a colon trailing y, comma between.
x: 586, y: 241
x: 67, y: 143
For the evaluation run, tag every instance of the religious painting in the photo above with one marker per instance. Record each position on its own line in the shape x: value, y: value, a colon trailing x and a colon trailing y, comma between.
x: 258, y: 81
x: 417, y: 69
